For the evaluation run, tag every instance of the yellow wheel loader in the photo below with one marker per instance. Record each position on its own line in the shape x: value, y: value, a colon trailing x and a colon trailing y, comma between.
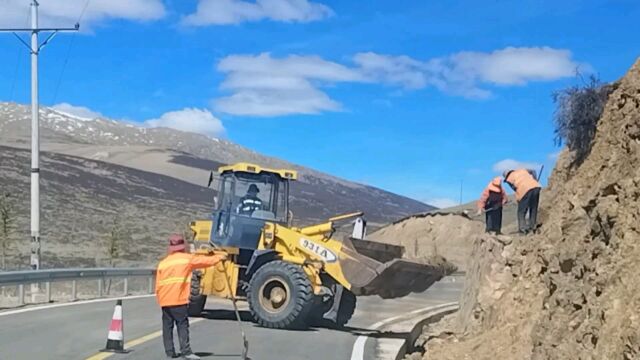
x: 290, y: 276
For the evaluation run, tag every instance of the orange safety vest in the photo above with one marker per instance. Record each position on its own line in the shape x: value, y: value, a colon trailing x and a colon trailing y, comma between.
x: 522, y: 181
x: 173, y: 277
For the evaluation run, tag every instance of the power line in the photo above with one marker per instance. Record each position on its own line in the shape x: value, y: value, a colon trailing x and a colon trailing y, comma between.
x: 66, y: 59
x: 17, y: 67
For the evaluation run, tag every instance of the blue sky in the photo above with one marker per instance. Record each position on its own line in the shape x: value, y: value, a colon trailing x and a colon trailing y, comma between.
x: 415, y: 97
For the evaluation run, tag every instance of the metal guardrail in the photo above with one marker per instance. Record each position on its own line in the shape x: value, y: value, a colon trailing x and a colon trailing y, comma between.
x: 52, y: 275
x: 21, y: 278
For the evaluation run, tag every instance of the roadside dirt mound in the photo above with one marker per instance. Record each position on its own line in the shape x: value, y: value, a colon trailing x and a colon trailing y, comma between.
x: 569, y: 291
x: 433, y: 234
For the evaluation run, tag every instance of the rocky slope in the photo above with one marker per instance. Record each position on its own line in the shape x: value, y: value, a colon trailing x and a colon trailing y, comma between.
x: 569, y: 291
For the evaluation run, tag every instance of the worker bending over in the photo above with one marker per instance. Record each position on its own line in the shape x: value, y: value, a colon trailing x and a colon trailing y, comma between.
x: 527, y: 190
x: 491, y: 201
x: 173, y: 284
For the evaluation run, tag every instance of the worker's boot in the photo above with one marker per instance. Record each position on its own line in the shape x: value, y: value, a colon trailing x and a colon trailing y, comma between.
x: 191, y: 357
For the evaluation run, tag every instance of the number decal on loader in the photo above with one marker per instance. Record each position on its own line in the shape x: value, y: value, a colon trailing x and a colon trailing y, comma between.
x: 319, y: 250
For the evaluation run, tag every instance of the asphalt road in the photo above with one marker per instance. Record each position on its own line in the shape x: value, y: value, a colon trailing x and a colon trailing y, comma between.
x: 79, y: 331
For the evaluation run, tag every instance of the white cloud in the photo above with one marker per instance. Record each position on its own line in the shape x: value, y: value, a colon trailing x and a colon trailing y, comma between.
x: 516, y: 66
x: 266, y: 86
x: 262, y: 85
x: 224, y: 12
x: 190, y: 120
x: 79, y: 112
x: 510, y: 164
x: 395, y: 70
x: 464, y: 73
x: 442, y: 203
x: 65, y: 13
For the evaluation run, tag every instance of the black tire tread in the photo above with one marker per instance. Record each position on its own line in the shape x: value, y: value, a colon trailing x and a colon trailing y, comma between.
x: 297, y: 317
x: 347, y: 308
x: 345, y: 312
x: 196, y: 299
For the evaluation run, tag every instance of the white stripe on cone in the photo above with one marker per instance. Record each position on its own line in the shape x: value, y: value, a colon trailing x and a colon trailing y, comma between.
x: 115, y: 335
x: 117, y: 313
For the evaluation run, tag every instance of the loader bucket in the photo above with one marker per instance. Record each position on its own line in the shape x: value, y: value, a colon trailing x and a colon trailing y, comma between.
x: 377, y: 269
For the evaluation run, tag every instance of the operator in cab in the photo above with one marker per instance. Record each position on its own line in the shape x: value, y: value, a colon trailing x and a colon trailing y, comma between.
x: 250, y: 202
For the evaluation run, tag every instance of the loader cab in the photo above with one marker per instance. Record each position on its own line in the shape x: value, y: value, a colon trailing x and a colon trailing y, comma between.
x: 248, y: 196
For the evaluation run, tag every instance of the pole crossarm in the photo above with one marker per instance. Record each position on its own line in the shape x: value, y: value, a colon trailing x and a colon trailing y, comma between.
x: 75, y: 28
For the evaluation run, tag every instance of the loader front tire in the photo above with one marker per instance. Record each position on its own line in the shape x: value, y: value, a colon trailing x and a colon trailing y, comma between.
x: 196, y: 299
x: 280, y: 296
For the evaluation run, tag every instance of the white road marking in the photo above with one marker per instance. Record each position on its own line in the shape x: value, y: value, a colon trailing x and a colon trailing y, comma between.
x: 358, y: 345
x: 52, y: 306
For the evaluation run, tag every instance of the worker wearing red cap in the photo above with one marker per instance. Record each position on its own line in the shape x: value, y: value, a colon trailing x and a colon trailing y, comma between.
x: 491, y: 202
x: 173, y: 283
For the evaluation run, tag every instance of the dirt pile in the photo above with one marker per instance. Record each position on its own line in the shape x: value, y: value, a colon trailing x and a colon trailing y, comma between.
x: 569, y: 291
x: 433, y: 234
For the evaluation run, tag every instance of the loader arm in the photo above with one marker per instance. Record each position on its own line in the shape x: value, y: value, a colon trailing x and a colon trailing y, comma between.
x: 316, y: 251
x: 308, y: 247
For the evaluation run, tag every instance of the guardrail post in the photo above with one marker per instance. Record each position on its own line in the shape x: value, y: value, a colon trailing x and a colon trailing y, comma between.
x: 21, y: 294
x: 48, y: 290
x: 100, y: 287
x: 150, y: 283
x: 74, y: 290
x: 126, y: 286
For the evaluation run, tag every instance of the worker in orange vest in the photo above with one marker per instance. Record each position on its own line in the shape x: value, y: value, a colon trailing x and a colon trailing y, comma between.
x: 491, y: 202
x: 173, y: 283
x: 527, y: 190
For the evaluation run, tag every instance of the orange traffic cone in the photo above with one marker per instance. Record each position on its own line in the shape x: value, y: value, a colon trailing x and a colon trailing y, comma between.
x: 115, y: 338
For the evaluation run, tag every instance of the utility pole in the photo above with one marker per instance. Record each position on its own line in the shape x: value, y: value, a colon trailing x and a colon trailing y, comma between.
x: 34, y: 49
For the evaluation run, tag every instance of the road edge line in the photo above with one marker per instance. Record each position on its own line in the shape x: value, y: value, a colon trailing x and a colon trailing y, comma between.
x: 358, y: 346
x: 53, y: 306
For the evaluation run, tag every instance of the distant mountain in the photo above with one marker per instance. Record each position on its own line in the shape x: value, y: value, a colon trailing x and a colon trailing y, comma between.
x: 93, y: 168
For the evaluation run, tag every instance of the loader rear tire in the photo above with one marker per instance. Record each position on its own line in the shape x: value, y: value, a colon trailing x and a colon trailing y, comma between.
x: 345, y: 311
x: 196, y: 299
x: 280, y: 296
x: 347, y: 308
x: 196, y: 305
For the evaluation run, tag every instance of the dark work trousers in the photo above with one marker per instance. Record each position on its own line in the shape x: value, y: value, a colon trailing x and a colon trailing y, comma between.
x: 494, y: 220
x: 528, y: 205
x: 493, y: 212
x: 175, y: 315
